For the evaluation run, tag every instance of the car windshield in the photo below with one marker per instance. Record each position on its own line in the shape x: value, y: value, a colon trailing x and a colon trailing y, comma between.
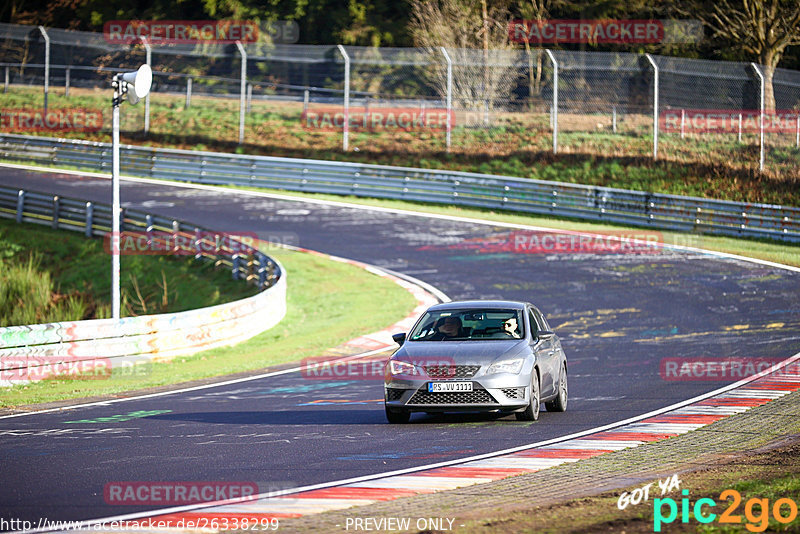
x: 470, y: 324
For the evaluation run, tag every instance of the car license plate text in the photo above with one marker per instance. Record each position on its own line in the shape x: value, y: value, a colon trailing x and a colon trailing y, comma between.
x: 446, y: 387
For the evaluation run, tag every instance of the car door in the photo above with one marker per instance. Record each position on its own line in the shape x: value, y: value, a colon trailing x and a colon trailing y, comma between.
x: 546, y: 352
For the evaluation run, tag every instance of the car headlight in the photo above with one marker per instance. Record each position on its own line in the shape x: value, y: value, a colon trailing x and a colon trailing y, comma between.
x: 401, y: 368
x: 506, y: 366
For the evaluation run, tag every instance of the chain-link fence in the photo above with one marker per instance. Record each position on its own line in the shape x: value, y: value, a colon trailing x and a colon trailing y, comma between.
x: 616, y: 104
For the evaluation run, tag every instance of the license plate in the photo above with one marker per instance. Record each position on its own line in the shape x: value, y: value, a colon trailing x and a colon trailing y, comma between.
x: 446, y: 387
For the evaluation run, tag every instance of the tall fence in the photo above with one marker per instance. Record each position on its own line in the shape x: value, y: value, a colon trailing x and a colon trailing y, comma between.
x: 457, y: 94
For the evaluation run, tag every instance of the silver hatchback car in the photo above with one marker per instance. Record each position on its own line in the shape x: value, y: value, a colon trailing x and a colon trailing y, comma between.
x: 477, y: 356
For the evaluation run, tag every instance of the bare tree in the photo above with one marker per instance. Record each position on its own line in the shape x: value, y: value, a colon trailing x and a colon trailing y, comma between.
x: 533, y: 12
x: 763, y: 28
x: 476, y: 34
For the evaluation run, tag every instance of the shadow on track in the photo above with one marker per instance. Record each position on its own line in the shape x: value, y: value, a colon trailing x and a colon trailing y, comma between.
x: 326, y: 417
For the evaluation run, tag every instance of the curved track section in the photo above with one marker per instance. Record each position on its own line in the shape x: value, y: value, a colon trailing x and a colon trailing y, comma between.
x: 620, y: 316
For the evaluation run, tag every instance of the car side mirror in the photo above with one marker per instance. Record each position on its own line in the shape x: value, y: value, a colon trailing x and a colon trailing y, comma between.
x: 545, y: 335
x: 399, y: 338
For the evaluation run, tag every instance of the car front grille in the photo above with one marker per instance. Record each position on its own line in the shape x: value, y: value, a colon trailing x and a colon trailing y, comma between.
x: 451, y: 371
x: 478, y: 396
x: 514, y: 393
x: 393, y: 394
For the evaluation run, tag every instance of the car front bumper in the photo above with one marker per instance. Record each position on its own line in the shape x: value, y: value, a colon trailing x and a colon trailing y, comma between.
x: 501, y: 392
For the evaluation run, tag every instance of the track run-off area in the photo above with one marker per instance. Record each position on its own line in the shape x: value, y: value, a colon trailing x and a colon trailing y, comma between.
x: 623, y: 318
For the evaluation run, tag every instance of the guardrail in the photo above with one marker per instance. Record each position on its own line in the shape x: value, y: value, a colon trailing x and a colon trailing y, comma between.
x: 36, y: 351
x: 652, y: 210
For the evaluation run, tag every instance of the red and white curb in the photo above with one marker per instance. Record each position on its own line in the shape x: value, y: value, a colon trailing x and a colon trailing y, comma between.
x: 772, y: 384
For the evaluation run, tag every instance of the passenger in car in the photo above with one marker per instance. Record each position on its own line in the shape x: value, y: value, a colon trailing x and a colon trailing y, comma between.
x: 511, y: 328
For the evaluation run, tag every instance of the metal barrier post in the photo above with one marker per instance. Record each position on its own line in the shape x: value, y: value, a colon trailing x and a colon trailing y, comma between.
x: 66, y: 82
x: 188, y: 92
x: 89, y: 219
x: 46, y: 65
x: 655, y: 105
x: 346, y: 128
x: 148, y: 60
x: 249, y: 97
x: 305, y: 103
x: 5, y: 86
x: 235, y: 268
x: 761, y: 117
x: 797, y: 133
x: 449, y: 104
x: 56, y: 214
x: 555, y: 100
x: 20, y: 205
x: 242, y: 90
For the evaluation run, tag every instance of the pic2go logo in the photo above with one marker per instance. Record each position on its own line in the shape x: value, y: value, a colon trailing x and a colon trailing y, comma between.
x: 756, y: 511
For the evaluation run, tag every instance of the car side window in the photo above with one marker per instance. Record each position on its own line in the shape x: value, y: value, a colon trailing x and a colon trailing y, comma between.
x: 540, y: 320
x: 534, y: 325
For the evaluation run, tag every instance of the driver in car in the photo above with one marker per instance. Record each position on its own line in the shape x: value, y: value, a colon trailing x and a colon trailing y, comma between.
x: 448, y: 327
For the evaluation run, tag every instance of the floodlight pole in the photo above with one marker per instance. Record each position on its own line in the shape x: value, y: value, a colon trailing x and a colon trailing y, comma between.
x: 46, y: 65
x: 115, y: 207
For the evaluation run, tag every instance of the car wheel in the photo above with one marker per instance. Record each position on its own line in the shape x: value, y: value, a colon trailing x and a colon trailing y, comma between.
x: 398, y: 418
x: 559, y: 404
x: 531, y: 413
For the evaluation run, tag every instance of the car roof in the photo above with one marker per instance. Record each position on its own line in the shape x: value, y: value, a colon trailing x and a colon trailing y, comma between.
x: 469, y: 304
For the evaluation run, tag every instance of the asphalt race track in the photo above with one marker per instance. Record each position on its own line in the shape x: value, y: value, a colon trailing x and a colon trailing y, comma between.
x: 618, y: 315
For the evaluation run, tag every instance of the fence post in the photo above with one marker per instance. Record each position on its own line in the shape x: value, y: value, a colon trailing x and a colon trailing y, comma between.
x: 46, y: 65
x: 89, y: 219
x: 797, y: 133
x: 242, y: 90
x: 761, y: 117
x: 740, y: 127
x: 66, y: 82
x: 20, y: 205
x: 554, y: 115
x: 683, y: 123
x: 449, y: 104
x: 148, y: 58
x: 5, y: 86
x: 249, y: 97
x: 305, y: 103
x: 188, y: 92
x: 655, y: 105
x: 346, y: 125
x: 614, y: 119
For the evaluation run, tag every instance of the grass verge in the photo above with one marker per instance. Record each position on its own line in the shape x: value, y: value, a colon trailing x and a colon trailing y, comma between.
x: 55, y: 275
x: 328, y: 303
